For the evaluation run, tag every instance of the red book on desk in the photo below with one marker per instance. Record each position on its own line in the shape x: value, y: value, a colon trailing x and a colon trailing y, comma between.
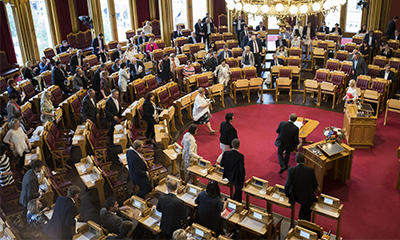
x: 227, y: 213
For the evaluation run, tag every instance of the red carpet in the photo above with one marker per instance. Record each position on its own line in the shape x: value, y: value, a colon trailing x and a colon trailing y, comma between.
x: 371, y: 201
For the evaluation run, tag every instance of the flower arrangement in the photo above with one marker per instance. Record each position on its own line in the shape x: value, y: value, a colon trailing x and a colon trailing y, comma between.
x: 334, y: 133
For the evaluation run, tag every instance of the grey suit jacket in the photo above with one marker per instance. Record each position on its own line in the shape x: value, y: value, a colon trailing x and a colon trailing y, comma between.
x: 11, y: 111
x: 361, y: 68
x: 112, y: 221
x: 251, y: 58
x: 30, y: 187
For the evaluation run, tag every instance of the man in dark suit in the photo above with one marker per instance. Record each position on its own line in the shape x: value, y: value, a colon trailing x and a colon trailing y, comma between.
x: 173, y: 210
x: 233, y: 163
x: 256, y: 48
x: 62, y: 223
x: 279, y: 42
x: 389, y: 75
x: 224, y: 54
x: 205, y: 18
x: 125, y: 230
x: 337, y: 29
x: 261, y: 27
x: 99, y: 48
x: 115, y: 66
x: 178, y: 33
x: 360, y: 67
x: 89, y: 110
x: 142, y: 38
x: 138, y: 170
x: 198, y: 29
x: 211, y: 63
x: 324, y: 28
x: 246, y: 39
x: 277, y: 61
x: 287, y: 140
x: 395, y: 35
x: 30, y: 184
x: 300, y: 186
x: 192, y: 38
x: 76, y: 61
x: 228, y: 133
x: 97, y: 78
x: 208, y: 28
x: 111, y: 217
x: 391, y: 27
x: 80, y: 80
x: 239, y: 25
x: 136, y: 69
x: 119, y: 53
x: 58, y: 77
x: 243, y: 34
x: 65, y: 47
x: 113, y: 111
x: 372, y: 40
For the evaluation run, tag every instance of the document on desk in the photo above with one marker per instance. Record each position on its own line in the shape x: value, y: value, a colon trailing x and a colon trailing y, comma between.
x: 49, y: 214
x: 204, y: 171
x: 118, y: 127
x: 86, y: 236
x: 43, y: 187
x: 151, y: 221
x: 253, y: 224
x: 31, y: 157
x: 83, y: 168
x: 89, y: 177
x: 121, y: 135
x: 298, y: 124
x: 187, y: 197
x: 77, y: 137
x: 276, y: 195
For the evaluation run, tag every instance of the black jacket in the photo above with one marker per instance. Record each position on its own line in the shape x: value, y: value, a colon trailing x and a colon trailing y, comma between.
x: 390, y: 77
x: 391, y: 28
x: 96, y: 81
x: 59, y: 226
x: 132, y: 70
x: 210, y: 64
x: 245, y: 41
x: 394, y: 37
x: 177, y: 34
x: 280, y: 62
x: 114, y: 68
x: 95, y: 44
x: 301, y: 184
x: 173, y: 213
x: 111, y: 111
x: 242, y: 24
x: 374, y: 39
x: 312, y: 32
x: 30, y: 187
x: 259, y: 44
x: 73, y: 63
x: 228, y: 133
x: 205, y: 28
x: 198, y: 29
x: 233, y: 163
x: 141, y: 40
x: 288, y: 137
x: 190, y: 40
x: 88, y: 109
x: 64, y: 49
x: 221, y: 55
x: 278, y: 44
x: 339, y: 30
x: 148, y: 111
x: 137, y: 169
x: 263, y: 28
x: 326, y: 30
x: 116, y: 54
x: 205, y: 19
x: 28, y: 74
x: 57, y: 76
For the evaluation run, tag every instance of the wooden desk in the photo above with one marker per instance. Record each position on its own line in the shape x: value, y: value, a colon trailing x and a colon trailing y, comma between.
x: 329, y: 207
x: 45, y: 186
x: 91, y: 231
x: 199, y: 168
x: 120, y: 136
x: 162, y: 133
x: 152, y: 221
x: 199, y: 232
x: 189, y: 195
x: 35, y: 154
x: 79, y: 139
x: 85, y: 165
x: 162, y: 186
x: 256, y: 222
x: 36, y: 139
x: 237, y: 210
x: 168, y: 115
x: 172, y: 155
x: 306, y: 130
x: 184, y: 103
x: 338, y: 166
x: 255, y: 187
x: 216, y: 173
x: 133, y: 203
x: 360, y: 131
x: 299, y: 233
x: 276, y: 195
x: 94, y: 180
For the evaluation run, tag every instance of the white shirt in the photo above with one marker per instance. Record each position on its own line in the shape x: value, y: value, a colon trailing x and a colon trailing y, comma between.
x: 91, y: 99
x: 239, y: 24
x: 370, y: 41
x: 208, y: 28
x: 386, y: 75
x: 116, y: 103
x: 79, y: 61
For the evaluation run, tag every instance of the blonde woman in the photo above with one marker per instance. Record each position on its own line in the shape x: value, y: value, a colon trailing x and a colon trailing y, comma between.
x: 17, y: 140
x: 351, y: 93
x: 47, y: 108
x: 130, y: 53
x: 189, y: 153
x: 148, y: 28
x: 201, y: 110
x: 247, y: 58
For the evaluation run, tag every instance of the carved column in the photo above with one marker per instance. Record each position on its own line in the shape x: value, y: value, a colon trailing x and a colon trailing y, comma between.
x: 165, y: 8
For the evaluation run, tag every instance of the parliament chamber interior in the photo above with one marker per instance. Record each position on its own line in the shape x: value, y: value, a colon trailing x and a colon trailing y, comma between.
x: 170, y: 119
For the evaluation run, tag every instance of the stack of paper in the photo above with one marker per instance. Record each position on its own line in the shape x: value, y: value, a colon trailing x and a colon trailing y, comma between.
x: 119, y: 135
x: 89, y: 178
x: 86, y: 236
x: 298, y: 124
x: 151, y: 221
x: 77, y: 138
x: 187, y: 197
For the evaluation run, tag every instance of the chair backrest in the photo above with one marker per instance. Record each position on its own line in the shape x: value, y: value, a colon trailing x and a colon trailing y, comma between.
x: 296, y: 51
x: 332, y: 64
x: 139, y: 87
x: 337, y: 78
x: 310, y: 84
x: 236, y: 73
x: 155, y: 24
x: 174, y: 91
x: 226, y: 35
x: 250, y: 72
x: 334, y: 37
x: 285, y: 72
x: 182, y: 59
x: 3, y: 84
x: 115, y: 77
x: 373, y: 70
x: 215, y: 37
x: 237, y: 52
x: 75, y: 104
x: 294, y: 61
x: 220, y: 44
x: 347, y: 67
x: 350, y: 47
x: 323, y: 45
x: 223, y: 20
x: 92, y: 60
x: 363, y: 82
x: 49, y: 140
x: 341, y: 55
x: 378, y: 34
x: 357, y: 40
x: 321, y: 75
x: 379, y: 86
x: 28, y: 89
x: 379, y: 61
x: 193, y: 48
x: 232, y: 62
x: 393, y: 44
x: 223, y: 29
x: 163, y: 95
x: 160, y: 43
x: 112, y: 45
x: 151, y: 82
x: 320, y: 35
x: 157, y: 55
x: 64, y: 58
x: 180, y: 41
x: 179, y: 71
x: 202, y: 81
x: 27, y: 113
x: 232, y: 43
x: 182, y: 25
x: 57, y: 94
x: 394, y: 63
x: 197, y: 67
x: 169, y: 50
x: 49, y: 53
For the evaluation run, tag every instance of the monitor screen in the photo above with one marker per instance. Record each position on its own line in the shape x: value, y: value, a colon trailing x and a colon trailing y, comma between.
x: 304, y: 234
x: 258, y: 183
x: 328, y: 201
x: 199, y: 232
x: 203, y: 164
x: 257, y: 215
x: 221, y: 170
x: 232, y: 206
x: 282, y: 190
x: 193, y: 190
x: 137, y: 204
x: 158, y: 213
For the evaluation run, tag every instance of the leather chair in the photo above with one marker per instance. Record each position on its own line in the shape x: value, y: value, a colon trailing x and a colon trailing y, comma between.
x: 236, y: 74
x: 197, y: 68
x: 179, y: 42
x: 226, y: 36
x: 220, y: 44
x: 395, y: 63
x: 98, y: 146
x: 223, y: 29
x: 296, y: 51
x: 373, y: 70
x: 160, y: 44
x: 347, y: 68
x: 321, y: 75
x: 58, y: 181
x: 320, y: 35
x: 202, y: 81
x: 363, y: 82
x: 357, y: 40
x: 332, y: 64
x: 200, y: 57
x: 169, y: 50
x: 334, y: 88
x: 349, y: 47
x: 75, y: 106
x: 59, y: 153
x: 241, y: 85
x: 376, y: 94
x: 114, y: 79
x: 249, y: 72
x: 32, y: 120
x: 46, y: 78
x: 215, y: 37
x: 7, y: 69
x: 182, y: 59
x: 379, y: 61
x: 163, y: 97
x: 237, y: 52
x: 179, y: 77
x: 174, y: 92
x: 232, y: 62
x: 139, y: 87
x: 232, y: 44
x: 28, y: 89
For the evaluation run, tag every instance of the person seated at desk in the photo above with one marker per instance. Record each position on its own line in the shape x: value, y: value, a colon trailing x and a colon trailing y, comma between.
x: 126, y: 229
x: 45, y: 65
x: 192, y: 39
x: 119, y: 53
x: 76, y: 61
x: 59, y: 76
x: 11, y: 89
x: 142, y: 38
x: 27, y: 131
x: 277, y: 61
x: 337, y: 29
x: 136, y: 69
x: 173, y: 210
x: 233, y: 163
x: 396, y: 35
x: 130, y: 53
x: 150, y: 47
x: 365, y: 50
x: 47, y: 108
x: 111, y: 216
x: 386, y: 51
x: 211, y: 63
x: 261, y: 27
x: 324, y: 28
x: 147, y: 29
x: 224, y: 54
x: 65, y: 47
x: 36, y: 219
x: 372, y: 40
x: 30, y: 72
x: 279, y: 42
x: 80, y: 80
x: 281, y: 51
x: 177, y: 33
x: 300, y: 186
x: 138, y: 169
x: 210, y: 206
x: 115, y: 67
x: 387, y: 74
x: 296, y: 42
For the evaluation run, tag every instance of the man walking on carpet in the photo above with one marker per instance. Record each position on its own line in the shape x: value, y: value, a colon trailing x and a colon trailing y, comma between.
x: 287, y: 141
x: 228, y: 133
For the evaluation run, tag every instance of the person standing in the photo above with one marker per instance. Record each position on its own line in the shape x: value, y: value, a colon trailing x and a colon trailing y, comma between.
x: 96, y: 80
x: 6, y: 175
x: 113, y: 111
x: 189, y: 153
x: 228, y: 133
x: 62, y: 223
x: 308, y: 35
x: 17, y: 140
x: 173, y: 210
x: 387, y: 74
x: 123, y: 81
x: 150, y: 115
x: 47, y: 108
x: 76, y: 61
x: 239, y: 25
x: 201, y: 110
x: 89, y: 111
x: 391, y: 27
x: 233, y: 163
x: 99, y: 48
x: 138, y: 169
x: 256, y: 48
x: 105, y: 85
x: 359, y: 66
x: 30, y: 184
x: 208, y: 28
x: 300, y: 186
x: 287, y: 140
x: 164, y: 67
x: 198, y: 29
x: 224, y: 54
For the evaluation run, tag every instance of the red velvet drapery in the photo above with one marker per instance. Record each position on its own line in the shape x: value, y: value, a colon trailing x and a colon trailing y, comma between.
x: 219, y: 8
x: 143, y: 11
x: 81, y: 10
x: 6, y: 42
x: 64, y: 18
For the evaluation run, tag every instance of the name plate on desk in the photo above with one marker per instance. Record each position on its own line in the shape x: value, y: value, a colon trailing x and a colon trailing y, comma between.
x: 330, y: 149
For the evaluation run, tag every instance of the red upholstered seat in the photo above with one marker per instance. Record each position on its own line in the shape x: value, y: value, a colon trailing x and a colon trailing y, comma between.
x: 47, y: 80
x: 379, y: 62
x: 29, y: 90
x: 49, y: 53
x: 73, y: 41
x: 373, y: 72
x: 155, y: 24
x: 53, y: 145
x: 113, y: 45
x: 76, y: 105
x: 109, y: 68
x: 129, y: 35
x: 93, y: 61
x: 250, y: 74
x: 293, y: 62
x: 356, y: 41
x: 194, y: 49
x: 226, y: 37
x: 30, y: 117
x: 179, y: 73
x: 362, y: 83
x: 203, y: 82
x: 157, y: 55
x: 3, y: 85
x: 349, y: 48
x: 56, y: 133
x: 65, y: 59
x: 232, y: 45
x: 133, y: 133
x: 295, y: 52
x: 152, y: 83
x: 57, y: 95
x: 235, y: 75
x: 341, y: 56
x: 174, y: 92
x: 397, y: 54
x: 219, y: 45
x: 197, y: 68
x: 180, y: 42
x: 337, y: 80
x: 98, y: 134
x: 333, y: 38
x: 237, y: 53
x: 163, y: 97
x: 183, y: 59
x: 82, y: 96
x: 7, y: 69
x: 168, y: 51
x: 323, y: 45
x: 347, y: 69
x: 285, y: 73
x: 215, y: 38
x: 332, y: 66
x: 321, y: 76
x: 320, y: 37
x: 140, y: 89
x: 231, y: 63
x: 379, y: 87
x: 395, y: 65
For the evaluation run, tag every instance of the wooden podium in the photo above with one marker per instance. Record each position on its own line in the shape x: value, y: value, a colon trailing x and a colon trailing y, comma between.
x: 337, y: 166
x: 360, y: 131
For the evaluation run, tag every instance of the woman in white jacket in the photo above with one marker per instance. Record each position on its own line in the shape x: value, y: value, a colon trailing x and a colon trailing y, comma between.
x: 201, y: 110
x: 189, y: 153
x: 222, y: 72
x: 123, y: 80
